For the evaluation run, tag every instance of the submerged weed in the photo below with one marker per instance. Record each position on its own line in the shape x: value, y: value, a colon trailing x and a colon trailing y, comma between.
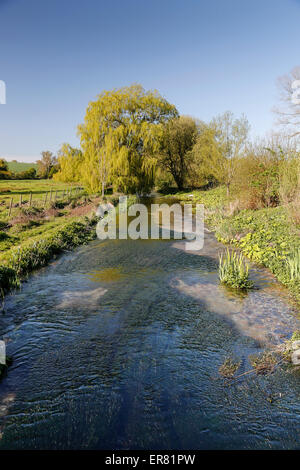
x: 229, y: 367
x: 263, y: 363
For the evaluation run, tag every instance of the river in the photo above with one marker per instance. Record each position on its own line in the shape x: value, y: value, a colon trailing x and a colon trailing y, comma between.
x: 117, y: 345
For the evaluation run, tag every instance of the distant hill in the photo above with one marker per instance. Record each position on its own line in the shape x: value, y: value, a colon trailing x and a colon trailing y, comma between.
x: 17, y: 167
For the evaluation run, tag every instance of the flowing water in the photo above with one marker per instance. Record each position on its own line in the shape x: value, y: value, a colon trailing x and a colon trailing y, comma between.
x: 117, y: 345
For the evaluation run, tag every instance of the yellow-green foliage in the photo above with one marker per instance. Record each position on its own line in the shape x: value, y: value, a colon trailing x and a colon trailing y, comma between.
x: 120, y: 136
x: 178, y: 139
x: 70, y: 160
x: 293, y: 265
x: 233, y: 271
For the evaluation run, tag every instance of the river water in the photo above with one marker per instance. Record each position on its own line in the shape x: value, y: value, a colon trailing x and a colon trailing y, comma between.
x: 117, y: 345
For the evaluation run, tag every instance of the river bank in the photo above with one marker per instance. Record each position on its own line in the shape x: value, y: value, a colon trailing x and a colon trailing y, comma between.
x: 266, y: 236
x: 35, y: 235
x: 120, y: 337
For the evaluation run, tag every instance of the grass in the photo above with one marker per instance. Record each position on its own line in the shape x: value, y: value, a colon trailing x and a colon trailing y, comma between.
x: 266, y: 236
x: 233, y: 271
x: 33, y: 235
x: 17, y: 167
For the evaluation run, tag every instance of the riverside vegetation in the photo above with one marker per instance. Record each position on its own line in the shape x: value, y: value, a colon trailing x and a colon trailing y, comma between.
x: 266, y: 236
x: 33, y: 235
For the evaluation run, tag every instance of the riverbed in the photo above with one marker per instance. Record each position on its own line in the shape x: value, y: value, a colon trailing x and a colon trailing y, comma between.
x: 117, y: 345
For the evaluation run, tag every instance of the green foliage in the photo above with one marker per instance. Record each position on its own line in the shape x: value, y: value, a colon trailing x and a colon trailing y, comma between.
x: 120, y: 137
x: 70, y: 160
x: 293, y: 266
x: 29, y: 174
x: 178, y: 139
x: 45, y: 164
x: 36, y: 253
x: 233, y: 271
x: 18, y: 167
x: 4, y: 171
x: 295, y: 336
x: 206, y: 158
x: 8, y: 278
x: 265, y: 236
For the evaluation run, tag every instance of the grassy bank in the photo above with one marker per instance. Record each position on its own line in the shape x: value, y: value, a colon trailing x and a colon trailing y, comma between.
x: 32, y: 236
x: 266, y: 236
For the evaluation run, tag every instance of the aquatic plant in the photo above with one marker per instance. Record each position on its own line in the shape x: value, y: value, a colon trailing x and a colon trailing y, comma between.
x: 264, y: 363
x: 229, y: 367
x: 293, y: 266
x: 233, y: 271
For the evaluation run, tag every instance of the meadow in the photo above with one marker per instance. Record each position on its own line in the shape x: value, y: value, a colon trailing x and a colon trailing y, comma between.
x: 17, y: 167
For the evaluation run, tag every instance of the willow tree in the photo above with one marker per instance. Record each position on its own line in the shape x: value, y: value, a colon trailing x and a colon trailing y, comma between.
x: 70, y: 160
x: 178, y: 139
x: 120, y: 137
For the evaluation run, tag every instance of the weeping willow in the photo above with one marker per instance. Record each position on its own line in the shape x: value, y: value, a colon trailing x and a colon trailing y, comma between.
x: 120, y: 138
x: 70, y: 161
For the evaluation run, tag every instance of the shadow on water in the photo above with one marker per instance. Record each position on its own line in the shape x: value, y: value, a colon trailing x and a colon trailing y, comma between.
x: 118, y: 344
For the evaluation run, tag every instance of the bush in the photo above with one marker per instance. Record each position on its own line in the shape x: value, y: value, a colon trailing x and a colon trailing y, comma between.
x: 233, y: 271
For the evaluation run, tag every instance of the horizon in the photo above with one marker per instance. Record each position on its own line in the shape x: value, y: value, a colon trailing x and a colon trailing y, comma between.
x: 204, y: 58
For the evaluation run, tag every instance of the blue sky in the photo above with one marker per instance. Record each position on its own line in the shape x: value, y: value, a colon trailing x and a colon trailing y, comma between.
x: 204, y: 56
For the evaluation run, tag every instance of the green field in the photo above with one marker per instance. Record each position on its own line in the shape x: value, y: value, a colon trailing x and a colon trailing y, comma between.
x: 27, y: 222
x: 14, y: 188
x: 17, y: 167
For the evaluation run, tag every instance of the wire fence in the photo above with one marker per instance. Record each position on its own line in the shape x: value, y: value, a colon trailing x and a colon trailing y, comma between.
x: 43, y: 201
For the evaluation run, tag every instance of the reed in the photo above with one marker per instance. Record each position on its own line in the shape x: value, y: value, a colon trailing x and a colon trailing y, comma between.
x: 233, y: 271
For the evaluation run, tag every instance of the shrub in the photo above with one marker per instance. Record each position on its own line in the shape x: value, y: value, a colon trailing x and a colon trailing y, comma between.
x: 233, y: 271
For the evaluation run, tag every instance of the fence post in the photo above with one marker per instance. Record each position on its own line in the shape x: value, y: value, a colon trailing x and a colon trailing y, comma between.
x: 10, y: 207
x: 20, y: 200
x: 50, y: 196
x: 55, y: 197
x: 46, y: 199
x: 30, y: 200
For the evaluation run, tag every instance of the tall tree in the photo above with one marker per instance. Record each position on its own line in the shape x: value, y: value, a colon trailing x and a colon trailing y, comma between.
x: 178, y: 139
x: 120, y: 136
x: 4, y: 171
x: 46, y: 163
x: 69, y: 160
x: 206, y: 157
x: 289, y: 111
x: 232, y: 136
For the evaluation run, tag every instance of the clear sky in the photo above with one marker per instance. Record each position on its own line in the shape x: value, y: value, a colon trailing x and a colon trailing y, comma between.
x: 204, y: 56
